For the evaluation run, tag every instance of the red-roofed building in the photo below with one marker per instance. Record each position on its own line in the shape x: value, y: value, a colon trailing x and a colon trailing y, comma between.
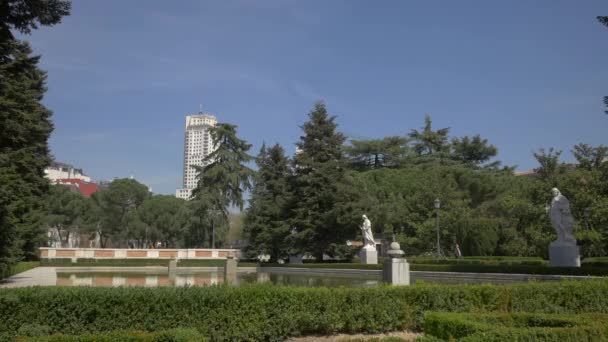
x: 85, y: 188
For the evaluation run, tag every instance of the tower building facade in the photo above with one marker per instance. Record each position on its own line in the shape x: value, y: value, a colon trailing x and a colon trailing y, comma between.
x: 197, y: 146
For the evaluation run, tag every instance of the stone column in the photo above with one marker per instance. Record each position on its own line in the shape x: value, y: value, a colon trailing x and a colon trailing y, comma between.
x: 396, y: 270
x: 230, y: 268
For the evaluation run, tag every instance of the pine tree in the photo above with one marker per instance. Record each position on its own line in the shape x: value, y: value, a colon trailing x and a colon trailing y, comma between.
x: 322, y: 217
x: 222, y: 181
x: 428, y: 142
x: 25, y: 125
x: 267, y: 219
x: 377, y: 153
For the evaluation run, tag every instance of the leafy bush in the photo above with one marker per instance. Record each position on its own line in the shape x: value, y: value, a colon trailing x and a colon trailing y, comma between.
x: 515, y: 327
x: 271, y: 313
x: 174, y: 335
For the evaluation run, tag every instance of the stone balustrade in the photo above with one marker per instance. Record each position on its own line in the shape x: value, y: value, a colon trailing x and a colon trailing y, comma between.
x: 123, y: 253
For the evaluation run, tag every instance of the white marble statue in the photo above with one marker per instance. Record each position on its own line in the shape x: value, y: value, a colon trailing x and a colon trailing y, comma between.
x: 561, y: 218
x: 368, y: 237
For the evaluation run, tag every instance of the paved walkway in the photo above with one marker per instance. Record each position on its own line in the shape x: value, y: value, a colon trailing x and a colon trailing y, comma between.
x: 42, y: 276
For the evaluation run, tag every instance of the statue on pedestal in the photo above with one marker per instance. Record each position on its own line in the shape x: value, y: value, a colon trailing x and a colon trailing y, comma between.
x: 368, y: 237
x: 562, y: 219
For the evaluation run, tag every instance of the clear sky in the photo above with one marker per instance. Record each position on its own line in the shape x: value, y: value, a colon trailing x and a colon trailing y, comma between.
x: 124, y: 74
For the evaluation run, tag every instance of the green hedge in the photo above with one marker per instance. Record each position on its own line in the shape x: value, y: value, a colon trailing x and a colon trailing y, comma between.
x: 597, y: 261
x: 18, y: 268
x: 514, y: 269
x: 480, y: 261
x: 174, y: 335
x: 271, y: 313
x: 472, y: 268
x: 64, y: 262
x: 516, y: 327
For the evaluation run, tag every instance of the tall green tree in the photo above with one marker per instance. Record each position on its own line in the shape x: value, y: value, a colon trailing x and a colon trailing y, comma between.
x: 323, y: 217
x: 550, y: 165
x: 162, y: 217
x: 427, y: 142
x: 377, y: 153
x: 589, y: 157
x: 267, y: 218
x: 25, y: 125
x: 65, y: 213
x: 113, y: 209
x: 473, y: 150
x: 222, y: 181
x: 26, y: 15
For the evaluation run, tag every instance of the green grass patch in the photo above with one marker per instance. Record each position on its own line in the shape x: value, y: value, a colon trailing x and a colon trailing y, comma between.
x: 271, y: 313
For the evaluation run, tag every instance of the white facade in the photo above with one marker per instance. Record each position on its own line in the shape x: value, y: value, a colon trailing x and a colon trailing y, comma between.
x: 197, y: 146
x: 58, y: 171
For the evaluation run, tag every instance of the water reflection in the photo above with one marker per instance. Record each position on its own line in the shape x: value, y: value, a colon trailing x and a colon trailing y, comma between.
x: 201, y: 278
x: 149, y: 278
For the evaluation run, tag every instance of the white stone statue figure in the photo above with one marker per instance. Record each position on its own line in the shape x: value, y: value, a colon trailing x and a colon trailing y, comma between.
x: 561, y: 218
x: 368, y: 237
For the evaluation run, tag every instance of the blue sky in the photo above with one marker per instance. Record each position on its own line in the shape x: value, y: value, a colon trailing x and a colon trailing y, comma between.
x: 122, y: 75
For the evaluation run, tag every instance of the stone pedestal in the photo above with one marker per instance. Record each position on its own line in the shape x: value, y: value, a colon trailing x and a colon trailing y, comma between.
x: 295, y: 259
x: 369, y: 256
x: 172, y: 266
x: 396, y: 271
x: 564, y: 255
x: 230, y: 270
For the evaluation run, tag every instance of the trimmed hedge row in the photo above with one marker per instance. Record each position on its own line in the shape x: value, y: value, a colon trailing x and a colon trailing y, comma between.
x: 515, y: 269
x: 174, y: 335
x: 272, y: 313
x: 480, y: 261
x: 472, y: 268
x: 596, y: 261
x: 516, y: 327
x: 64, y: 262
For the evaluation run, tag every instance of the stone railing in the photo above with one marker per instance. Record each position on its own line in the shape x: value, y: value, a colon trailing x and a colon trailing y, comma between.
x: 123, y: 253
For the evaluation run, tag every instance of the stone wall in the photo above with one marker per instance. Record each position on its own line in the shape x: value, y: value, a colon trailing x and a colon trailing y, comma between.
x: 122, y: 253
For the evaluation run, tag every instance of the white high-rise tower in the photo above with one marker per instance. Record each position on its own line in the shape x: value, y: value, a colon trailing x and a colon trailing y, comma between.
x: 197, y: 146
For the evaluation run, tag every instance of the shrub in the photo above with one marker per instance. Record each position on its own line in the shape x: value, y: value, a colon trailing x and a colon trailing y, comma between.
x: 174, y: 335
x: 271, y: 313
x: 515, y: 327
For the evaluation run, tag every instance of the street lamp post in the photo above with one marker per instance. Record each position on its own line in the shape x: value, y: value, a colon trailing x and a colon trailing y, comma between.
x: 437, y: 207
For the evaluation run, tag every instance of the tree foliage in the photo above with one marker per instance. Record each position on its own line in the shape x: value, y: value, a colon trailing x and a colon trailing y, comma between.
x: 267, y: 221
x: 25, y: 125
x: 377, y: 153
x: 221, y: 182
x: 429, y: 142
x: 323, y: 216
